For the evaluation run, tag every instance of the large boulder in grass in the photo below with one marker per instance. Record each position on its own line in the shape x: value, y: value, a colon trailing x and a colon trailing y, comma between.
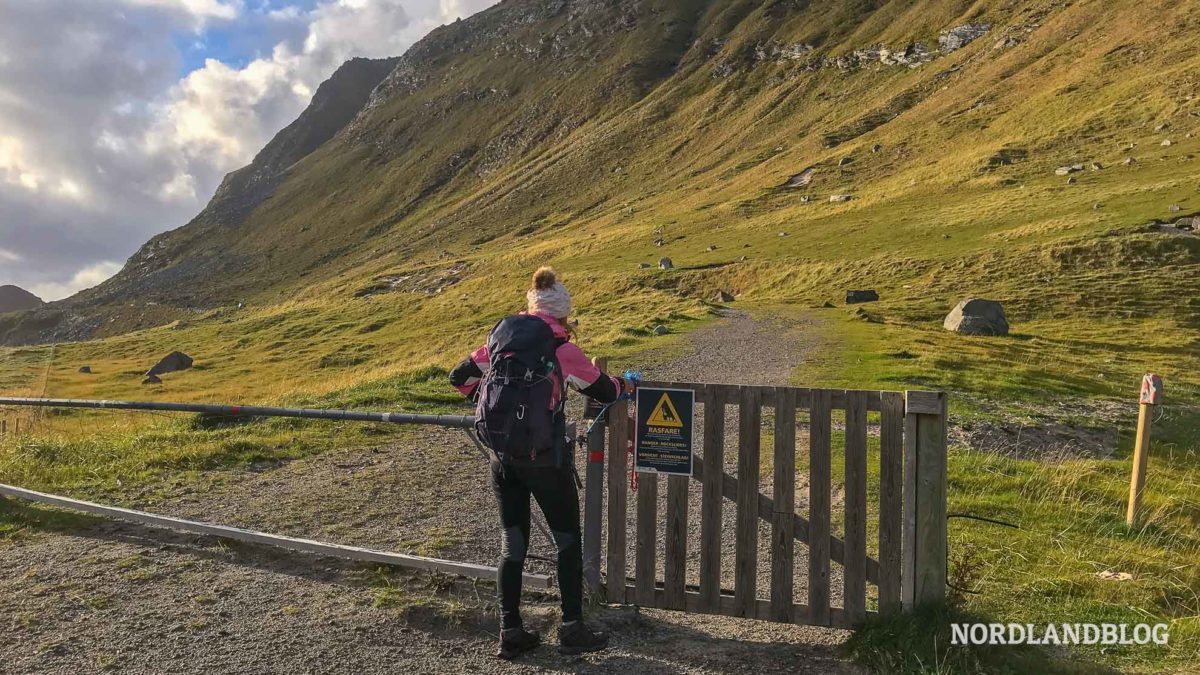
x: 869, y: 295
x: 173, y: 362
x: 976, y: 316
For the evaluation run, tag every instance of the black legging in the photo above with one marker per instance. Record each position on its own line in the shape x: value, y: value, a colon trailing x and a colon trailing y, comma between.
x: 556, y: 494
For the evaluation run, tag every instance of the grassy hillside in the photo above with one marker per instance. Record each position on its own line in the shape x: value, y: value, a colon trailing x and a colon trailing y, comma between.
x: 580, y: 134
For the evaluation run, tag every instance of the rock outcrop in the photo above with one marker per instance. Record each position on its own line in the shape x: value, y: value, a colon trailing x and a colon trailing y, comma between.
x: 960, y: 36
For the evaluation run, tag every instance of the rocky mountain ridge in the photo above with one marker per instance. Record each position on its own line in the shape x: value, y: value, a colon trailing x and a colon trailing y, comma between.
x: 536, y: 115
x: 16, y: 299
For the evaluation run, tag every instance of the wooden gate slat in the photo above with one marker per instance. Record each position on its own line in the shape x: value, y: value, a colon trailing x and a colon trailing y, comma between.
x: 854, y: 566
x: 909, y: 518
x: 618, y: 436
x: 645, y: 553
x: 675, y: 554
x: 766, y: 507
x: 783, y: 523
x: 819, y: 500
x: 891, y: 499
x: 711, y: 498
x: 746, y: 552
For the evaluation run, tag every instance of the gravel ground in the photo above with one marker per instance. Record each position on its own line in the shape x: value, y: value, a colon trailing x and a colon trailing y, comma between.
x: 90, y: 595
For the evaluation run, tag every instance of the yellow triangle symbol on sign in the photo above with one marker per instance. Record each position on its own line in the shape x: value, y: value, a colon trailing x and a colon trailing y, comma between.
x: 664, y: 414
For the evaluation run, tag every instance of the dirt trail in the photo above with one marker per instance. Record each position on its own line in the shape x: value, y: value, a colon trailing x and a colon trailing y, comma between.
x: 738, y: 349
x: 86, y: 595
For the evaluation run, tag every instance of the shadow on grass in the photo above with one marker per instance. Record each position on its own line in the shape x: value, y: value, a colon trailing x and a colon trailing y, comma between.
x: 919, y: 643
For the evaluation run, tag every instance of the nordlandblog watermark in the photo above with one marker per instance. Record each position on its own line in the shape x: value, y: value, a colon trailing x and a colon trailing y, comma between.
x: 1058, y: 634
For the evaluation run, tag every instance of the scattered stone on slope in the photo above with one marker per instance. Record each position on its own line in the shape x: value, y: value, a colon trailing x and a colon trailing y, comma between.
x: 1166, y: 142
x: 876, y: 148
x: 840, y: 198
x: 863, y: 315
x: 1068, y: 169
x: 644, y: 266
x: 801, y: 179
x: 853, y: 297
x: 1129, y: 161
x: 960, y: 36
x: 1072, y: 180
x: 86, y: 370
x: 1007, y: 42
x: 1174, y: 208
x: 173, y: 362
x: 1162, y: 126
x: 723, y: 296
x: 1173, y: 230
x: 661, y: 330
x: 1097, y: 166
x: 665, y: 263
x: 976, y: 316
x: 844, y: 161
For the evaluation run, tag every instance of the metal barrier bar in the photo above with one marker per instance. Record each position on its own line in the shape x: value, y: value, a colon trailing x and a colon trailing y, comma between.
x: 307, y: 545
x: 457, y: 421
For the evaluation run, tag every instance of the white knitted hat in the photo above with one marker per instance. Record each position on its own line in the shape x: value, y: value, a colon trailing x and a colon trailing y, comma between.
x: 548, y: 295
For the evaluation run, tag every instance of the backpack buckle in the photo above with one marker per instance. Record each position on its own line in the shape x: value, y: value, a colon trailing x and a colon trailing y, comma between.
x: 521, y: 412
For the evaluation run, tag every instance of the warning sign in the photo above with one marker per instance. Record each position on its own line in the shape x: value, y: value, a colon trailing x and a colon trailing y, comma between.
x: 664, y: 414
x: 664, y: 431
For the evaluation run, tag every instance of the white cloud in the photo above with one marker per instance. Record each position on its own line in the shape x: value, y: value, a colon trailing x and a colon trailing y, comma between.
x: 5, y: 254
x: 200, y: 10
x: 85, y: 278
x: 103, y: 145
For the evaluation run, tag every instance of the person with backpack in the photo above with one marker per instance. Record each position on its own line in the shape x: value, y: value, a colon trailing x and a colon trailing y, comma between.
x: 519, y: 382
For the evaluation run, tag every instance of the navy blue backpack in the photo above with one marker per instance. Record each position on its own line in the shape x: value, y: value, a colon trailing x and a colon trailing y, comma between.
x: 514, y: 415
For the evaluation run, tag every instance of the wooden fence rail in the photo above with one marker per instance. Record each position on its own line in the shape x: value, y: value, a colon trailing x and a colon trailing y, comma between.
x: 910, y: 568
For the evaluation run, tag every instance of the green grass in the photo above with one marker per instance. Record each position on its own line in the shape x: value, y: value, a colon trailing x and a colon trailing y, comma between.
x: 920, y: 643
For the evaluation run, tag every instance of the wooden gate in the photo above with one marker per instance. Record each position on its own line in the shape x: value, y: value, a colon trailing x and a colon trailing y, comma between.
x: 908, y: 507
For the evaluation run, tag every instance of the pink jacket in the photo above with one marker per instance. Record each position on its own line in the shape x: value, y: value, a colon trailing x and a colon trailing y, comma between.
x: 579, y: 372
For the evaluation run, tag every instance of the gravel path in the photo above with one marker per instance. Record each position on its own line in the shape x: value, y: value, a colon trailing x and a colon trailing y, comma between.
x: 88, y: 595
x: 738, y: 349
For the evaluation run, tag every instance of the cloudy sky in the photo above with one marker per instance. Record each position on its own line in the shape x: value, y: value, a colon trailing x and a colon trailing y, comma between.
x: 118, y: 118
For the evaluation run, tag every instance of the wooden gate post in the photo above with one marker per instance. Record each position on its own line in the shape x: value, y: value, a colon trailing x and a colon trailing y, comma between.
x: 924, y: 549
x: 593, y: 500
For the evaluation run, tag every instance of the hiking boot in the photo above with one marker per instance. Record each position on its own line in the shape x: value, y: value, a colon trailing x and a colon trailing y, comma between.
x: 577, y: 638
x: 516, y: 641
